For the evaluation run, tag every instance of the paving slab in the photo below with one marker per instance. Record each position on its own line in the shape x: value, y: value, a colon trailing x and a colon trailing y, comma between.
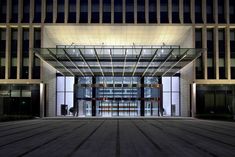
x: 117, y: 137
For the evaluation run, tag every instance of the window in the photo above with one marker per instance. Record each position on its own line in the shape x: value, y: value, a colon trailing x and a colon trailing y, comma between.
x: 198, y: 11
x: 222, y: 54
x: 214, y: 99
x: 141, y: 11
x: 232, y: 11
x: 83, y: 11
x: 171, y: 96
x: 152, y: 11
x: 187, y: 18
x: 221, y: 15
x: 2, y: 52
x: 199, y: 63
x: 106, y: 11
x: 232, y: 52
x: 14, y: 11
x: 129, y: 11
x: 37, y: 11
x: 13, y: 63
x: 64, y: 92
x: 117, y: 11
x: 3, y: 11
x: 95, y: 16
x: 175, y: 11
x: 60, y: 11
x: 164, y: 11
x: 210, y: 54
x: 25, y: 54
x: 72, y: 11
x: 26, y: 4
x: 36, y: 60
x: 49, y: 11
x: 209, y: 11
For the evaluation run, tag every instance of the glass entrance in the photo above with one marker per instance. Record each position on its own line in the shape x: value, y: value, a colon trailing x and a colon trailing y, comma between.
x: 118, y: 96
x: 108, y: 108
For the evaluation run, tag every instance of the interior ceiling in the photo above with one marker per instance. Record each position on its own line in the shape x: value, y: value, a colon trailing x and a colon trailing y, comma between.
x: 115, y: 35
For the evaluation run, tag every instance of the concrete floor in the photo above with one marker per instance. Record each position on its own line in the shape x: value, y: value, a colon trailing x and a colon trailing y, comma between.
x: 117, y: 137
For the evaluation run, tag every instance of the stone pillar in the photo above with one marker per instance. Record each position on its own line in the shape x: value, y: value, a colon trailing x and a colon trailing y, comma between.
x: 193, y: 99
x: 93, y: 101
x: 42, y: 99
x: 142, y: 97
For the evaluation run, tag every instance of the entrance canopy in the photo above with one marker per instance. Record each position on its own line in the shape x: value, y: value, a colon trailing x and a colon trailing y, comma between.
x: 104, y: 60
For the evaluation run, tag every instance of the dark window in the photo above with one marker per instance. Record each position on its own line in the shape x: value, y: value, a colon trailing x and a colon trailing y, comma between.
x: 210, y: 54
x: 37, y: 11
x: 232, y: 52
x: 221, y: 15
x: 25, y: 54
x: 72, y: 11
x: 14, y: 11
x: 36, y: 60
x: 209, y: 11
x: 221, y: 54
x: 214, y: 99
x: 129, y: 11
x: 164, y: 11
x: 117, y: 11
x: 232, y: 11
x: 60, y: 11
x: 22, y: 100
x: 152, y: 11
x: 3, y: 10
x: 95, y: 16
x: 83, y: 11
x: 175, y: 11
x: 106, y: 11
x: 198, y: 11
x: 26, y: 4
x: 141, y: 11
x: 2, y: 52
x: 199, y: 62
x: 49, y: 11
x: 187, y: 17
x: 14, y: 36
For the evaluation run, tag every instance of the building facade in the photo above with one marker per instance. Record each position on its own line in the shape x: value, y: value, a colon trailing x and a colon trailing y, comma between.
x: 28, y: 86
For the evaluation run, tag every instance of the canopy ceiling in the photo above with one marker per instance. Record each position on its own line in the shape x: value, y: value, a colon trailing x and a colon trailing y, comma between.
x: 104, y: 60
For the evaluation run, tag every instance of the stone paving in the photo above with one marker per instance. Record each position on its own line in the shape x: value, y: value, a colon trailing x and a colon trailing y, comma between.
x: 117, y: 137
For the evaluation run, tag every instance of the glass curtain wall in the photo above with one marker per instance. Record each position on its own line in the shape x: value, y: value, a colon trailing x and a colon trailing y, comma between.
x: 64, y: 94
x: 171, y: 96
x: 118, y: 96
x: 17, y: 99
